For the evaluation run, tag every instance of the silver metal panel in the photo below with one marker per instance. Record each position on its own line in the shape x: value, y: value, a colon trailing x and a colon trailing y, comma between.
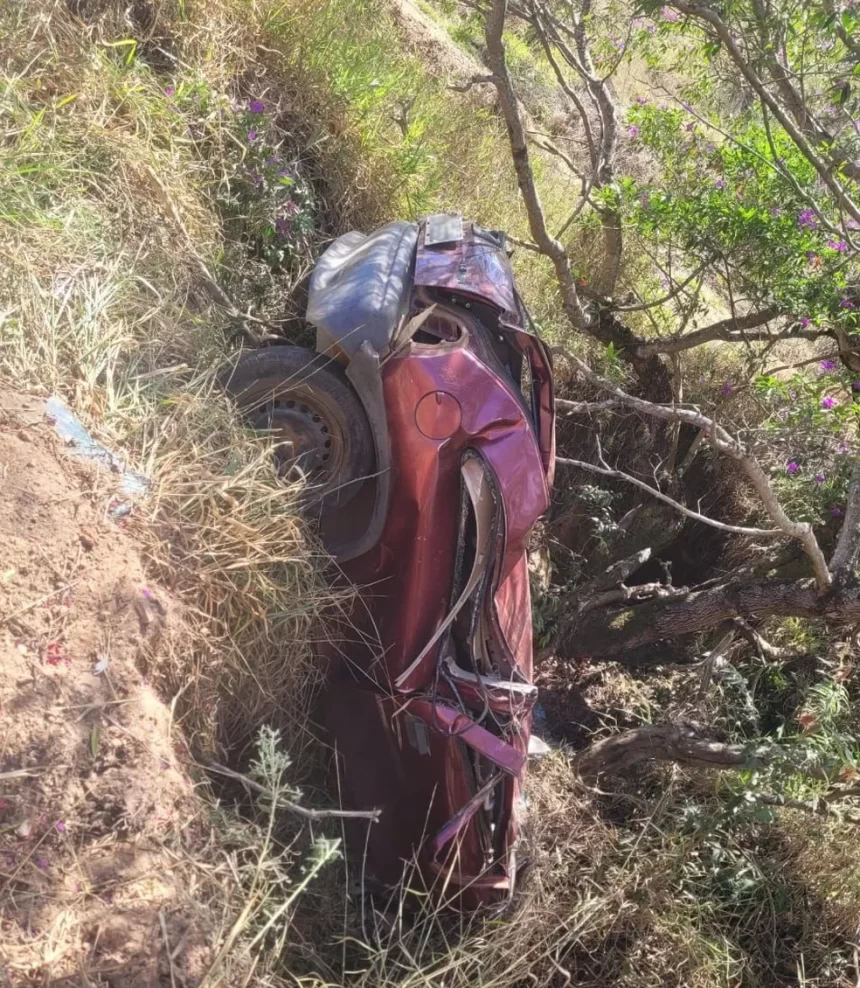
x: 443, y: 228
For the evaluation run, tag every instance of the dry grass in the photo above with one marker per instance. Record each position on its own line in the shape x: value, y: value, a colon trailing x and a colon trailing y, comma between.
x: 120, y: 206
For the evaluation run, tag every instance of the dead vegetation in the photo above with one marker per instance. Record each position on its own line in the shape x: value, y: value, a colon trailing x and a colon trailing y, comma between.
x: 133, y: 262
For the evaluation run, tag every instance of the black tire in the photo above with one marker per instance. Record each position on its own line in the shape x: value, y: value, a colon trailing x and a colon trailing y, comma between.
x: 308, y: 399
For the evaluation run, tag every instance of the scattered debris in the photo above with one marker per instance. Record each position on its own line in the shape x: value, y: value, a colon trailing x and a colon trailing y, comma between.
x: 72, y: 431
x: 53, y: 654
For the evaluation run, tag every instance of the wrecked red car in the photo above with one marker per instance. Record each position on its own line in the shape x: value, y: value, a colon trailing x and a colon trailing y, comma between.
x: 424, y: 426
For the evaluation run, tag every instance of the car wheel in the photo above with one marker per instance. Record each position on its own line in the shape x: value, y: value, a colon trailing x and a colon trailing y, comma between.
x: 307, y: 403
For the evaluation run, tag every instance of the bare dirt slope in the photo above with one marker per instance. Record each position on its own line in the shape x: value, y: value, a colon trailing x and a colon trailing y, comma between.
x: 432, y: 43
x: 96, y: 813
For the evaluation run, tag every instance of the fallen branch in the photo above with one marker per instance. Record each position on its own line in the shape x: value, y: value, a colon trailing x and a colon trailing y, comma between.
x: 619, y: 633
x: 820, y: 807
x: 287, y: 804
x: 666, y: 743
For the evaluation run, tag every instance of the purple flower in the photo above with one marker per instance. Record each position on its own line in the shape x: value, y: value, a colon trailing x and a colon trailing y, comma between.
x: 839, y: 245
x: 791, y: 467
x: 169, y: 91
x: 828, y: 402
x: 256, y: 106
x: 634, y: 131
x: 805, y: 322
x: 835, y: 512
x: 252, y: 136
x: 720, y: 183
x: 846, y: 303
x: 819, y: 478
x: 775, y: 211
x: 41, y: 862
x: 642, y: 100
x: 806, y: 218
x: 710, y: 148
x: 726, y: 389
x: 856, y: 386
x: 689, y: 126
x: 668, y: 14
x: 61, y: 826
x: 828, y: 365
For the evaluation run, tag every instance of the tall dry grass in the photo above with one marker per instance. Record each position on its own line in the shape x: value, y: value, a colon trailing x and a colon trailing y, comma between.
x: 121, y: 289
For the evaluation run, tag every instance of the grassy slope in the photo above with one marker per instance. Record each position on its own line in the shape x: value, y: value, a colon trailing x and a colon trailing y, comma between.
x: 128, y: 185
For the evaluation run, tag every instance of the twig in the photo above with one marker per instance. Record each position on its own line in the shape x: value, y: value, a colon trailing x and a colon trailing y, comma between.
x: 23, y: 773
x: 167, y: 947
x: 717, y: 652
x: 574, y: 407
x: 36, y: 603
x: 725, y: 443
x: 820, y: 807
x: 607, y: 471
x: 476, y: 80
x: 762, y: 645
x: 287, y: 804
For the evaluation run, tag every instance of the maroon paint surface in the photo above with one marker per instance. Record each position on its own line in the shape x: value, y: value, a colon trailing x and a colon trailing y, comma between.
x: 409, y: 751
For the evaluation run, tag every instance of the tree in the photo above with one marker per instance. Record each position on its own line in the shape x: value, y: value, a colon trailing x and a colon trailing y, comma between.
x: 740, y: 189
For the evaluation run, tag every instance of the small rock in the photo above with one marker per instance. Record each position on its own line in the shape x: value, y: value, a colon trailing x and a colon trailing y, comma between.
x: 24, y: 829
x: 87, y: 540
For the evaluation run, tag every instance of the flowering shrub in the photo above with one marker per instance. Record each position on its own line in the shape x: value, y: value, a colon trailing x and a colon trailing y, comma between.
x: 263, y: 198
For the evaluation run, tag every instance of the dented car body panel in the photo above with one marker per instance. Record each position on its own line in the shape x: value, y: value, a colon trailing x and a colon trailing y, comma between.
x: 430, y: 710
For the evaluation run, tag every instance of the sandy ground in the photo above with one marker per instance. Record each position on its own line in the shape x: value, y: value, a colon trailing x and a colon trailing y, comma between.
x: 96, y: 812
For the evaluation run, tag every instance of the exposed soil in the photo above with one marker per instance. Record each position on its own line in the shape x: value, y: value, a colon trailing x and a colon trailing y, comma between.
x: 431, y: 42
x: 95, y: 809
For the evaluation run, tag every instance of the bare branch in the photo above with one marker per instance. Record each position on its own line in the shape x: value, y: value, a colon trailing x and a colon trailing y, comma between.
x: 494, y: 28
x: 722, y: 441
x: 764, y: 648
x: 569, y: 91
x: 845, y: 554
x: 476, y: 80
x: 820, y: 807
x: 668, y: 744
x: 607, y: 471
x: 578, y: 407
x: 298, y: 809
x: 604, y: 167
x: 729, y: 330
x: 641, y: 306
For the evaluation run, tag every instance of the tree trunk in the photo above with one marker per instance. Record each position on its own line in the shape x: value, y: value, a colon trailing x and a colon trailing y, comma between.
x: 616, y: 633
